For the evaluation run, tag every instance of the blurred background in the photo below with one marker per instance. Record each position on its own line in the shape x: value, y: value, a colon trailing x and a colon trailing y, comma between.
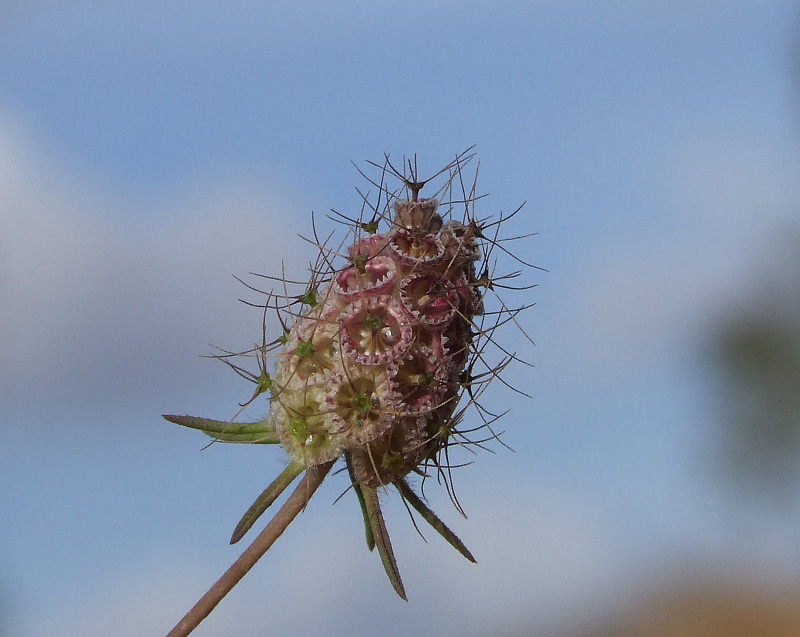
x: 151, y: 150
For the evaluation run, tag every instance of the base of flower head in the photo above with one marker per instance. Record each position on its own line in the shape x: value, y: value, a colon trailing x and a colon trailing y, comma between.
x: 394, y: 454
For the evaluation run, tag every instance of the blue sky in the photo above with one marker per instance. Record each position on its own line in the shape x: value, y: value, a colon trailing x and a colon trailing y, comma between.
x: 149, y: 152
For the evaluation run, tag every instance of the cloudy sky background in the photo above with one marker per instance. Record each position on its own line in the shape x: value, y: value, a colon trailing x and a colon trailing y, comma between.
x: 149, y: 152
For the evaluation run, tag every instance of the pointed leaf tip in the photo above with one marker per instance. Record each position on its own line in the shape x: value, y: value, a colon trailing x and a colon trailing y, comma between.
x: 382, y: 542
x: 267, y: 497
x: 431, y: 518
x: 259, y: 432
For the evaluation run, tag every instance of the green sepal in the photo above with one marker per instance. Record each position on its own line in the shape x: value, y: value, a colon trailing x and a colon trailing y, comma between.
x: 268, y: 496
x: 378, y: 525
x: 430, y: 517
x: 225, y: 431
x: 370, y: 537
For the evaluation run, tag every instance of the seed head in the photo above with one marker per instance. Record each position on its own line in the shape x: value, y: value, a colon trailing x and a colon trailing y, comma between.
x: 380, y: 349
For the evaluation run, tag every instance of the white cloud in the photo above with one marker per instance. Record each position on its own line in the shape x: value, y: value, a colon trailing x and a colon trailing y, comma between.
x: 95, y: 300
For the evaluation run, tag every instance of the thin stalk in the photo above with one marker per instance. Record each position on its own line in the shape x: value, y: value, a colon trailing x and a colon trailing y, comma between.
x: 290, y: 509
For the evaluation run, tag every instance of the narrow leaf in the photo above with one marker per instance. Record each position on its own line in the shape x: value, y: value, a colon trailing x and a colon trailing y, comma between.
x: 373, y: 509
x: 357, y: 488
x: 263, y: 501
x: 430, y: 517
x: 225, y: 431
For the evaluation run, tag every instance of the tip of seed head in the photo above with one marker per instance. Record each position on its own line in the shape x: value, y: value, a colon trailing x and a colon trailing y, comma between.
x: 418, y: 215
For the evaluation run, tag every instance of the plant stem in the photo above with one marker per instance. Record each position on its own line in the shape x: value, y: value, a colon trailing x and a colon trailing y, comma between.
x: 293, y: 505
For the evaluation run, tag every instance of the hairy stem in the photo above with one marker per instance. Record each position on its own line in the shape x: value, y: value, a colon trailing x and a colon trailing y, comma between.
x: 294, y: 505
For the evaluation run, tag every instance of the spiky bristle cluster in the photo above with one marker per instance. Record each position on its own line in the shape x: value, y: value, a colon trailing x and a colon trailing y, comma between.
x: 376, y: 352
x: 373, y: 367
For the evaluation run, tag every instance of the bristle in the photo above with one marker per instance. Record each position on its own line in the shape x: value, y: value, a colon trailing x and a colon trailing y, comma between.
x: 383, y: 352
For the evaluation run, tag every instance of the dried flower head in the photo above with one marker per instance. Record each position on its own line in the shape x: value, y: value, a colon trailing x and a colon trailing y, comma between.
x: 382, y: 353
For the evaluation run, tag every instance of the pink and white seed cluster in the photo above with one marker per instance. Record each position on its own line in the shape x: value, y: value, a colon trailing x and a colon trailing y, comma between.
x: 373, y: 367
